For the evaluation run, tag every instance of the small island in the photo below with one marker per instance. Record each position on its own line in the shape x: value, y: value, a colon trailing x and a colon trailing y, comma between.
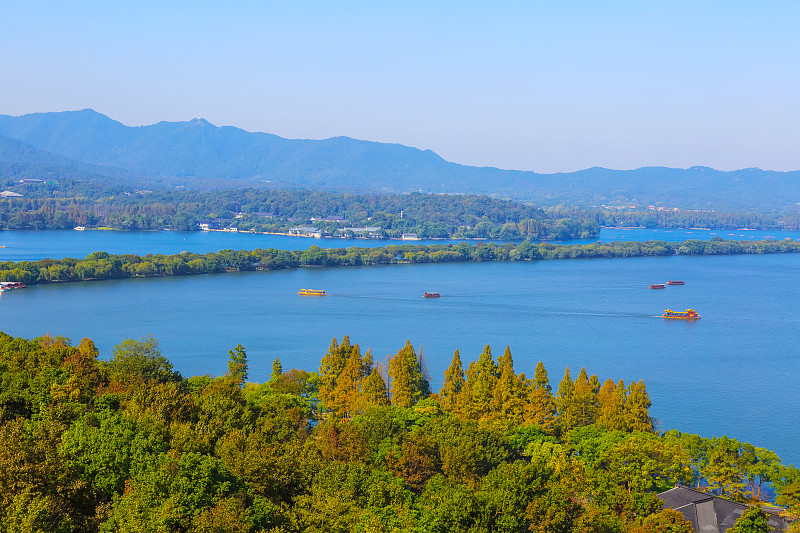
x: 102, y: 265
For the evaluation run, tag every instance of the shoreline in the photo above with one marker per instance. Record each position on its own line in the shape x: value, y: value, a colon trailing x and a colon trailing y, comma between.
x: 102, y: 265
x: 354, y: 237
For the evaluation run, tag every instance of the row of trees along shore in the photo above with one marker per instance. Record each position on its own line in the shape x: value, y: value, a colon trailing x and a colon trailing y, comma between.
x: 102, y: 265
x: 127, y: 444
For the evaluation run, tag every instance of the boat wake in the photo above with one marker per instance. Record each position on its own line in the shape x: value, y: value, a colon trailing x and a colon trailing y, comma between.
x: 592, y: 313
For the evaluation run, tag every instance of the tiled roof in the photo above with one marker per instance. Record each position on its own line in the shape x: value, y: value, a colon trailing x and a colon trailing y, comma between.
x: 713, y: 514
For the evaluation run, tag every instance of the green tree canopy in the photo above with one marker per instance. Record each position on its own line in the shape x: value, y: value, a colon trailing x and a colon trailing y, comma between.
x: 374, y: 391
x: 237, y: 363
x: 277, y: 370
x: 540, y: 409
x: 140, y: 360
x: 637, y: 408
x: 408, y: 384
x: 753, y: 520
x: 452, y: 384
x: 565, y: 399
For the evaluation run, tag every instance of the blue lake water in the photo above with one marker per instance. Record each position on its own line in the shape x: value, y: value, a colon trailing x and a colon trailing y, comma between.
x: 733, y: 372
x: 33, y: 245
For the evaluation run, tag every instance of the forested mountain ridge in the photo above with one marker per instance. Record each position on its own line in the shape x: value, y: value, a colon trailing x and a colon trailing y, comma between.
x: 198, y: 154
x: 197, y: 149
x: 20, y: 160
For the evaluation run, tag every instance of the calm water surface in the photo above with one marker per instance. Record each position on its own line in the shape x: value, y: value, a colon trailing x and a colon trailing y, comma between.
x: 34, y: 245
x: 734, y: 372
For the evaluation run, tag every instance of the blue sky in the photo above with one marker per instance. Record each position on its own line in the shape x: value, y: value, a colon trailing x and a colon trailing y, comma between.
x: 543, y: 86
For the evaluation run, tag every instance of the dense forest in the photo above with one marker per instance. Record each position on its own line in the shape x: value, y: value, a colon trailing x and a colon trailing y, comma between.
x: 102, y: 265
x: 128, y: 444
x: 76, y: 203
x: 64, y: 206
x: 674, y: 219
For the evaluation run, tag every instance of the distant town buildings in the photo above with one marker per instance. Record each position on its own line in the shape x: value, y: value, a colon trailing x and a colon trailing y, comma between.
x: 207, y: 225
x: 259, y: 215
x: 622, y: 207
x: 367, y: 231
x: 617, y: 207
x: 339, y: 220
x: 308, y: 231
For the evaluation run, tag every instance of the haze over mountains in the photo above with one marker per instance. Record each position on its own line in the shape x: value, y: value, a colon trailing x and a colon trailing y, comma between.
x: 88, y: 145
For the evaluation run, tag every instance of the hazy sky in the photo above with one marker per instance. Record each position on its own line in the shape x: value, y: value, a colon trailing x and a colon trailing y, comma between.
x: 545, y: 86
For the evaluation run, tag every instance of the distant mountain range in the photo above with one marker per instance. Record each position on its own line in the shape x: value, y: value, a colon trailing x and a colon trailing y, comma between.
x: 87, y: 145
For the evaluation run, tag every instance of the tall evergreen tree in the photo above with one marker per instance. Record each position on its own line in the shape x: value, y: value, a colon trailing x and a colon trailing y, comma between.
x: 508, y: 394
x: 452, y: 384
x: 594, y: 383
x: 277, y: 370
x: 622, y: 399
x: 584, y: 402
x: 637, y: 408
x: 540, y: 379
x: 237, y: 363
x: 367, y: 363
x: 540, y: 408
x: 612, y: 406
x: 348, y: 383
x: 329, y: 369
x: 485, y: 382
x: 333, y: 364
x: 466, y: 407
x: 408, y: 384
x: 565, y: 399
x: 373, y: 391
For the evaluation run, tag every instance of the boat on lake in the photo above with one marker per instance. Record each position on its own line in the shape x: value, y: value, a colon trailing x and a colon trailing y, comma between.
x: 675, y: 282
x: 431, y: 295
x: 657, y: 286
x: 311, y: 292
x: 689, y: 314
x: 80, y: 228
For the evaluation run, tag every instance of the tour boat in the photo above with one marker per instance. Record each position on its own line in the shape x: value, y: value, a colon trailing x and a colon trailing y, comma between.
x: 689, y: 314
x: 80, y: 228
x: 311, y: 292
x: 675, y: 282
x: 657, y: 286
x: 431, y: 295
